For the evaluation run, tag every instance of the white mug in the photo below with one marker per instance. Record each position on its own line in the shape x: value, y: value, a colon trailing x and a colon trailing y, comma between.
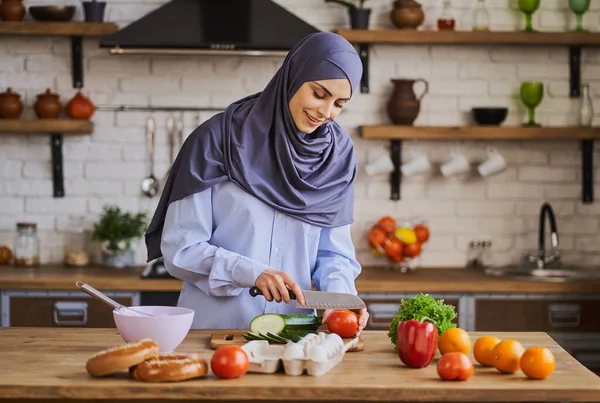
x: 494, y: 163
x: 380, y: 162
x: 419, y: 163
x: 457, y: 164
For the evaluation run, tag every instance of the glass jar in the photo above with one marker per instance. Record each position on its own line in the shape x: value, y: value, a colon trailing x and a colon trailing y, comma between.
x: 27, y: 245
x: 481, y: 17
x: 446, y: 21
x: 586, y: 107
x: 75, y: 243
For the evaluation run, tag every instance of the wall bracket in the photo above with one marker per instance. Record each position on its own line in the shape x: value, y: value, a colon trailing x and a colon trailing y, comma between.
x: 587, y: 171
x: 56, y: 141
x: 396, y: 175
x: 363, y: 53
x: 77, y: 62
x: 574, y: 71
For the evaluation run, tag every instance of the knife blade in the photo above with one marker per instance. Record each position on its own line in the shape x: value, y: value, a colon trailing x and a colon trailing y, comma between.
x: 322, y: 299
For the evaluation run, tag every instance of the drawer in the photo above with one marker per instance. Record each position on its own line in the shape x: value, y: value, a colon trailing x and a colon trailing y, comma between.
x: 537, y: 315
x: 60, y: 310
x: 381, y: 312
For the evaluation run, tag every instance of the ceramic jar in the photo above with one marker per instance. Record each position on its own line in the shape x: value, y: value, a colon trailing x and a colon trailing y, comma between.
x: 47, y: 105
x: 12, y: 10
x: 407, y: 14
x: 11, y: 106
x: 404, y: 106
x: 80, y: 107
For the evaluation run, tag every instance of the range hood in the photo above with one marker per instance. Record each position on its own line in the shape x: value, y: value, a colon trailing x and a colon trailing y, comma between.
x: 214, y: 27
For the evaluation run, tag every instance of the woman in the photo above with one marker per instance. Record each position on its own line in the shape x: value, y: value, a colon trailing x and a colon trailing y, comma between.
x: 263, y: 195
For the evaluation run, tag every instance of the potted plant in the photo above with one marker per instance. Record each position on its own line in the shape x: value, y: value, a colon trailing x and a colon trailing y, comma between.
x: 359, y: 16
x: 117, y: 231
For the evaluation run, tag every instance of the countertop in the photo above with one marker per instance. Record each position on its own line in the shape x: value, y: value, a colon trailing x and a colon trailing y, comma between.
x: 372, y: 279
x: 43, y: 363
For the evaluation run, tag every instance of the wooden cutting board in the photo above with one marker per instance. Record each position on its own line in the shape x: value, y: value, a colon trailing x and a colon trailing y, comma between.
x: 224, y: 337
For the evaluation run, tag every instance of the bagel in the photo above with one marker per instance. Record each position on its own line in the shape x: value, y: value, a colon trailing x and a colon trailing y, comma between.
x: 170, y: 368
x: 121, y: 358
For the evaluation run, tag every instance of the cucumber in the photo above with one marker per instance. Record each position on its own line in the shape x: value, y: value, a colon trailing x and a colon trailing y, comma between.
x: 251, y: 336
x: 277, y: 323
x: 277, y: 337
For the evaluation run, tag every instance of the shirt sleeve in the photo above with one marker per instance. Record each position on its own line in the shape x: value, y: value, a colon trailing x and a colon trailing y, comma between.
x: 336, y: 266
x: 190, y: 257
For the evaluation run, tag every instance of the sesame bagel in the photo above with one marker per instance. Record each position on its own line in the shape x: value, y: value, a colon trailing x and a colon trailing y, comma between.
x: 121, y: 358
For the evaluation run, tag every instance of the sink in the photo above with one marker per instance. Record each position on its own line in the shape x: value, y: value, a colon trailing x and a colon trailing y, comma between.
x: 550, y: 275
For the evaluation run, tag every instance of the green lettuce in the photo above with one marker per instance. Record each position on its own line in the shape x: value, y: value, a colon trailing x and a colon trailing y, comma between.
x: 416, y: 307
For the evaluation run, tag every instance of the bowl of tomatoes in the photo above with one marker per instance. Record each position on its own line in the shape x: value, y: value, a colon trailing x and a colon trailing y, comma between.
x: 399, y: 241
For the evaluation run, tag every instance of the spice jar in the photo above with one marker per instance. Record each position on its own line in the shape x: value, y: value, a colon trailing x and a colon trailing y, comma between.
x: 11, y: 106
x: 47, y: 105
x: 27, y: 245
x: 75, y: 242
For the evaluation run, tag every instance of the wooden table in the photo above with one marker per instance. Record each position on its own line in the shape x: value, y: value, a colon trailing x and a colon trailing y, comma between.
x: 372, y: 279
x: 39, y: 364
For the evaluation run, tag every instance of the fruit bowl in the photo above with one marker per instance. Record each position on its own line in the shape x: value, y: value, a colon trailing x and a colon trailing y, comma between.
x: 399, y: 241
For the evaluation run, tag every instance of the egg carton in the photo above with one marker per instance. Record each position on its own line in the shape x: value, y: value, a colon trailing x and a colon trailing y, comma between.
x: 264, y: 358
x: 316, y: 354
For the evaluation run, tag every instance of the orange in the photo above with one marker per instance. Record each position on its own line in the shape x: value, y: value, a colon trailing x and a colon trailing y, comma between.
x: 507, y: 356
x: 454, y: 340
x: 482, y: 350
x: 538, y: 362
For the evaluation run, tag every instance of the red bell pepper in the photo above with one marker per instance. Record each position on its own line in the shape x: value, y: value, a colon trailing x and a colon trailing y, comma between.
x: 417, y: 342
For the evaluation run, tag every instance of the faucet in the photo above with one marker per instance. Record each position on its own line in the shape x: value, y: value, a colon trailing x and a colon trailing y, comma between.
x: 541, y: 260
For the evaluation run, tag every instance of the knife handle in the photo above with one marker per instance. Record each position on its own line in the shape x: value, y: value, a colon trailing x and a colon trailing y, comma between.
x: 254, y: 291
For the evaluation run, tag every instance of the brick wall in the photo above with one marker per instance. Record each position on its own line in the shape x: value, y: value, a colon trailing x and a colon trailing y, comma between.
x: 108, y: 166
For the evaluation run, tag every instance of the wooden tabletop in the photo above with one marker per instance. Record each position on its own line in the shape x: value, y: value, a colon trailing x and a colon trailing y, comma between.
x: 43, y: 363
x: 372, y: 279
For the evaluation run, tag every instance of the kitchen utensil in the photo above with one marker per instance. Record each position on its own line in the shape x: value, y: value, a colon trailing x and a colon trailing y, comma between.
x: 322, y: 300
x: 489, y: 116
x: 532, y: 94
x: 167, y: 325
x: 150, y: 185
x: 579, y: 7
x: 404, y: 105
x: 121, y: 309
x: 529, y: 7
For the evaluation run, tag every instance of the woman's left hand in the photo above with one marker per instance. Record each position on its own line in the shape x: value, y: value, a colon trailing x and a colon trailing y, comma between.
x: 363, y: 318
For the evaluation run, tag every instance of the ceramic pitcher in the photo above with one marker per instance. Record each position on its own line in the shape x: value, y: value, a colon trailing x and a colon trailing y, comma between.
x: 404, y: 106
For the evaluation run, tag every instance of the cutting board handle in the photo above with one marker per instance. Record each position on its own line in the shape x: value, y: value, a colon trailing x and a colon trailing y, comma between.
x: 254, y: 291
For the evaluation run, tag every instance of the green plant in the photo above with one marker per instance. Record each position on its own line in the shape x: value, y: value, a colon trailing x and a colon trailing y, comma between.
x: 118, y: 229
x: 348, y: 4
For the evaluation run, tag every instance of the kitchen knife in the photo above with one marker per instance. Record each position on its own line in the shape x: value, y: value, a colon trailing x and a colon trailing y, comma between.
x: 322, y: 299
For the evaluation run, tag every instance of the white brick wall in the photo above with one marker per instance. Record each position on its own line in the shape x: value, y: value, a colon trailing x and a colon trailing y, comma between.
x: 108, y: 166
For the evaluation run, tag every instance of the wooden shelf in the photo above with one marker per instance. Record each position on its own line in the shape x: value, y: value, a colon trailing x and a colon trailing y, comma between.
x: 57, y: 28
x: 62, y: 126
x: 398, y: 36
x: 574, y: 40
x: 478, y: 133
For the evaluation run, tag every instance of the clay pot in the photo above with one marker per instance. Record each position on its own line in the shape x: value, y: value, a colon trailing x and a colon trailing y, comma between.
x: 404, y: 106
x: 407, y: 14
x: 11, y: 106
x: 47, y: 105
x: 12, y: 10
x: 80, y: 107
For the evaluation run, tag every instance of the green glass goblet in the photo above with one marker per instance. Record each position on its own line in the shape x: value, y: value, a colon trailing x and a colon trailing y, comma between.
x: 529, y: 7
x: 532, y: 94
x: 579, y: 7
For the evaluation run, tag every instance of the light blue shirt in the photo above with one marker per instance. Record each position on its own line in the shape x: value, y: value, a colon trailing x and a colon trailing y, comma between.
x: 220, y: 240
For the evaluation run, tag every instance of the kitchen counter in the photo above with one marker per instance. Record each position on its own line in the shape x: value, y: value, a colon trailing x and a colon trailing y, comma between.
x: 38, y: 364
x: 372, y: 279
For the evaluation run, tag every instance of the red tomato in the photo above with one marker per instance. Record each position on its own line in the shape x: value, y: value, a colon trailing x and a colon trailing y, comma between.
x: 387, y: 223
x: 377, y: 237
x: 455, y: 366
x: 412, y: 249
x: 229, y: 362
x: 422, y: 233
x: 343, y: 323
x: 393, y: 247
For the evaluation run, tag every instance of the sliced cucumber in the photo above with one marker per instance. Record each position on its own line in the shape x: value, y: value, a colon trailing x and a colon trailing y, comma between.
x: 276, y: 323
x: 277, y: 337
x: 268, y: 322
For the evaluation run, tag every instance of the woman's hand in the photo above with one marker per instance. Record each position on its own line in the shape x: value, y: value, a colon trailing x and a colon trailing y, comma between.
x: 275, y: 284
x: 363, y: 318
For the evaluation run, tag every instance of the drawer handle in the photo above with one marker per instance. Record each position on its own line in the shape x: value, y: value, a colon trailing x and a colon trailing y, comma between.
x: 564, y: 315
x: 70, y: 310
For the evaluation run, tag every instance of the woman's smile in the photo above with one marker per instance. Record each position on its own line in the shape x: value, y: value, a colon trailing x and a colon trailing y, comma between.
x: 313, y: 121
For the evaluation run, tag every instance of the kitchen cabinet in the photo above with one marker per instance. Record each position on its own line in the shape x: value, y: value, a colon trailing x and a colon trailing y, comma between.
x: 60, y: 309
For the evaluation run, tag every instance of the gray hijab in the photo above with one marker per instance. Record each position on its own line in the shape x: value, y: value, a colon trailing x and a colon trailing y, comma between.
x: 255, y: 144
